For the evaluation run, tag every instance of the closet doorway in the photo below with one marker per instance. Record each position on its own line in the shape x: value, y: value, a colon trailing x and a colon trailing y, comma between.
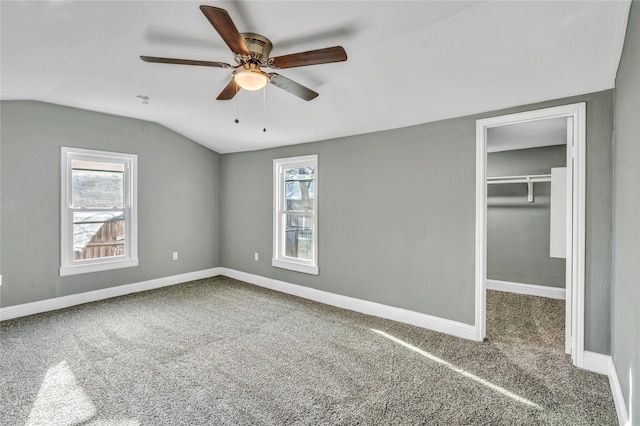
x: 515, y: 153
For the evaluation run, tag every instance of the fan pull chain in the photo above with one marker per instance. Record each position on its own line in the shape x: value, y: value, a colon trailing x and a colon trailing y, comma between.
x: 236, y: 101
x: 264, y: 109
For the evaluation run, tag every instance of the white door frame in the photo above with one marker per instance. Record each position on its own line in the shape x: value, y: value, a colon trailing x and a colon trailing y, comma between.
x: 576, y: 183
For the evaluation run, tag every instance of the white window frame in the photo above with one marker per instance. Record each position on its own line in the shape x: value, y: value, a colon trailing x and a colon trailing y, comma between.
x: 70, y: 266
x: 280, y: 260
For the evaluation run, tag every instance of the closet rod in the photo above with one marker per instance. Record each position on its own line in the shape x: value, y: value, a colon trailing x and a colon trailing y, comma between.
x: 519, y: 179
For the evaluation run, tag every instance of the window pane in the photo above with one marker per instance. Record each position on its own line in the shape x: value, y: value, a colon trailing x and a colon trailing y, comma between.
x: 96, y: 188
x: 299, y: 188
x: 98, y: 234
x: 298, y: 236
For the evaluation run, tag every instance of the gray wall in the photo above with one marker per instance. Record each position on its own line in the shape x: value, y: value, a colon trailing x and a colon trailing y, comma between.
x: 389, y: 231
x: 0, y: 201
x: 397, y: 213
x: 177, y: 199
x: 518, y: 231
x: 625, y: 307
x: 396, y: 209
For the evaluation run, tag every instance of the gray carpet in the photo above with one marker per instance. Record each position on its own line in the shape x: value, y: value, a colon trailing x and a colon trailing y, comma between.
x: 222, y: 352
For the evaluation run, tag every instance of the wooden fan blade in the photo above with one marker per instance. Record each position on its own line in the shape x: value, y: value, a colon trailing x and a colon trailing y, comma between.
x: 292, y: 87
x: 311, y: 57
x: 223, y: 24
x: 229, y: 92
x: 184, y: 62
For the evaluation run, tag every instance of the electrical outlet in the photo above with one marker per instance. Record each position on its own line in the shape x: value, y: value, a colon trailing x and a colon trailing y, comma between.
x: 256, y: 256
x: 175, y: 255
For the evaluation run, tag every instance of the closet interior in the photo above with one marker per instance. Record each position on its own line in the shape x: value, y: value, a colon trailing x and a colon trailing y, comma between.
x: 527, y: 208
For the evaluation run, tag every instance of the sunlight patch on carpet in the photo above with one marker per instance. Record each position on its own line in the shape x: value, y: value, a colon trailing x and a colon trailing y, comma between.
x: 459, y: 370
x: 61, y: 401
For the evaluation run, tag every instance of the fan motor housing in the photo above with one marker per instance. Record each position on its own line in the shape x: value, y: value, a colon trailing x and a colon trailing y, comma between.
x: 259, y: 46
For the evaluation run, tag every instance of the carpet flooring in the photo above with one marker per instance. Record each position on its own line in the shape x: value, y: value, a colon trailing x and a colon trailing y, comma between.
x: 223, y: 352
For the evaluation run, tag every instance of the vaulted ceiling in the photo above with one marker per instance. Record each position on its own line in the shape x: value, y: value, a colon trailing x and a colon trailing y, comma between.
x: 409, y: 62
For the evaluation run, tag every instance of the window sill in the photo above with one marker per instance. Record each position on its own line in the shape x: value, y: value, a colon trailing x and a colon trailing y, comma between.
x: 97, y: 267
x: 294, y: 266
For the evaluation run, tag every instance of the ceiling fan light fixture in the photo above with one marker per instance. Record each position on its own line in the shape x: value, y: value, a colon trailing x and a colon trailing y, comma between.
x: 251, y: 79
x: 251, y: 52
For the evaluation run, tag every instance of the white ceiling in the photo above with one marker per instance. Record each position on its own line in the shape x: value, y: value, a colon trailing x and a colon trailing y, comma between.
x: 531, y: 134
x: 410, y: 62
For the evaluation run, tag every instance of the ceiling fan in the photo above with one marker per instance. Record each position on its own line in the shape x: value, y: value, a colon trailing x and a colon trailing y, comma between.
x: 251, y: 53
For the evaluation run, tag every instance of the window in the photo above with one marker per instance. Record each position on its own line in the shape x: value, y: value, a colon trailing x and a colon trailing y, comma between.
x: 98, y: 214
x: 295, y: 222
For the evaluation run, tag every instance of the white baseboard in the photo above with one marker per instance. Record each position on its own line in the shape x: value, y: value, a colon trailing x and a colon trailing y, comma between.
x: 371, y: 308
x: 31, y: 308
x: 366, y: 307
x: 603, y: 364
x: 596, y: 362
x: 618, y: 396
x: 530, y: 289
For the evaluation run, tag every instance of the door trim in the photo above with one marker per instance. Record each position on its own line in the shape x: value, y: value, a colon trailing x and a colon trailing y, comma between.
x: 576, y: 185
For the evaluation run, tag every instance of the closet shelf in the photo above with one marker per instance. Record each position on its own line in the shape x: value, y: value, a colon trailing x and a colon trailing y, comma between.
x: 528, y: 179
